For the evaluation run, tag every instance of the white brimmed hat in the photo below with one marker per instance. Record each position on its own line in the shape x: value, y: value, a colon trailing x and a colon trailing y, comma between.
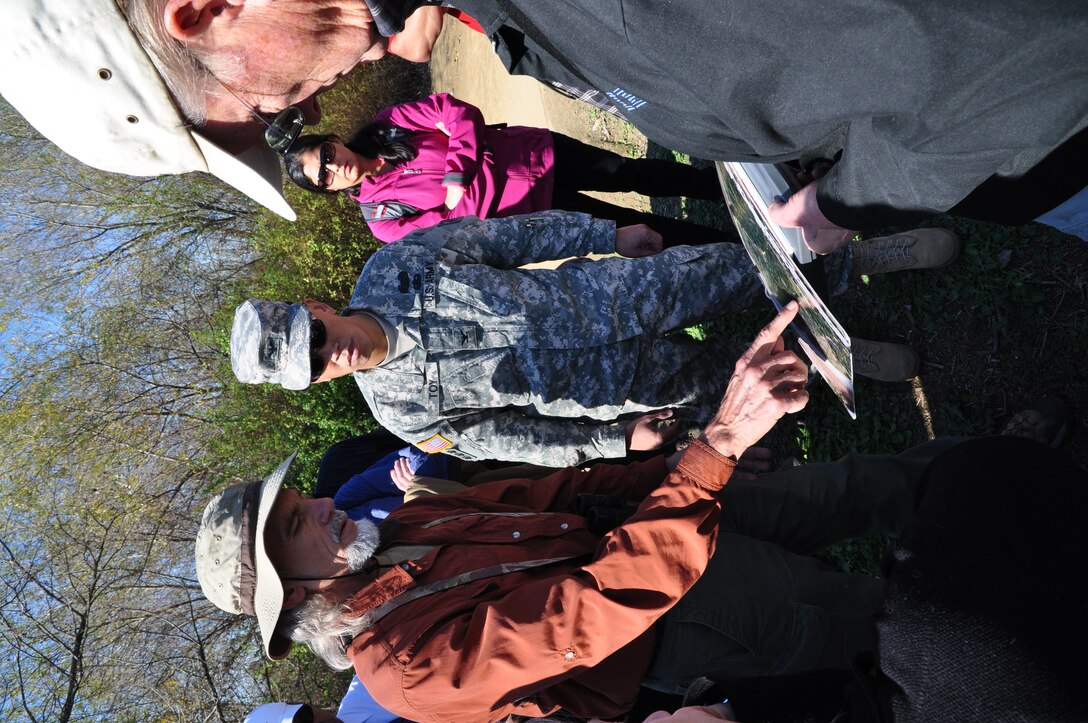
x: 76, y: 72
x: 232, y: 563
x: 273, y: 713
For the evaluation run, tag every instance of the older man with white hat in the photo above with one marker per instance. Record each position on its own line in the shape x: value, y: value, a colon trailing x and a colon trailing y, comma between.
x: 138, y: 87
x: 77, y: 73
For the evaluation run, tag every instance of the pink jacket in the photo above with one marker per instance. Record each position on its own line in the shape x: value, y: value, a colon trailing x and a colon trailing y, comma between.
x: 503, y: 171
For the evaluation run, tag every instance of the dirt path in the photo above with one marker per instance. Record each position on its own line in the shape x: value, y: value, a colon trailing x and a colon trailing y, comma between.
x: 464, y: 65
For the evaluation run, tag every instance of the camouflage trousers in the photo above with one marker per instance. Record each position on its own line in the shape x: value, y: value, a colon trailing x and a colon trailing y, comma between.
x: 681, y: 287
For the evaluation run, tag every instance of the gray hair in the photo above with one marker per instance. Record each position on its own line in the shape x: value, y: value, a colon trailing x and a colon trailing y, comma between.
x: 186, y: 76
x: 324, y: 624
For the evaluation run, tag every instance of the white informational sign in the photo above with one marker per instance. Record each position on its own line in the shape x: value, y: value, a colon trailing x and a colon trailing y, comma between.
x: 749, y: 189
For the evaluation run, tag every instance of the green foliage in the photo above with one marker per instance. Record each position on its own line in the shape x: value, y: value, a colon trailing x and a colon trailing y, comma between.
x: 262, y: 424
x: 302, y: 677
x: 862, y: 557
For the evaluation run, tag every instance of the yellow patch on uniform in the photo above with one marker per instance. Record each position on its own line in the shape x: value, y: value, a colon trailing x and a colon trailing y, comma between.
x: 435, y: 444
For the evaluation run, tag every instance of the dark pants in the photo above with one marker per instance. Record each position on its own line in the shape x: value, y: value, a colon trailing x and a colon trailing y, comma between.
x: 582, y: 167
x: 984, y: 614
x: 763, y: 607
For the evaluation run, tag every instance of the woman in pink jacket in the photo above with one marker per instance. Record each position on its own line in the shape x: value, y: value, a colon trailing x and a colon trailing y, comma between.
x: 420, y: 163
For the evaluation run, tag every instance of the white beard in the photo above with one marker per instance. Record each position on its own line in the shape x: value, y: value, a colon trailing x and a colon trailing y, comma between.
x: 363, y: 546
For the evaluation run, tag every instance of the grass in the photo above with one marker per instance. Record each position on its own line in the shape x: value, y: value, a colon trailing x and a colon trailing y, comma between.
x: 1003, y: 325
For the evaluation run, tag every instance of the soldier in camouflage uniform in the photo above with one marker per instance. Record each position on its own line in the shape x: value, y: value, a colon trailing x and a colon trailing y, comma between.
x: 463, y: 352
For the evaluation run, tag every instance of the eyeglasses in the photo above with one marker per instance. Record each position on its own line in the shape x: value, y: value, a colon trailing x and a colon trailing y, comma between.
x: 318, y: 336
x: 284, y: 129
x: 326, y: 156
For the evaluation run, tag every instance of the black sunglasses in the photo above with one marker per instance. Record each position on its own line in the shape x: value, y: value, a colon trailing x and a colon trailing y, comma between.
x: 318, y: 336
x: 284, y: 129
x: 327, y: 153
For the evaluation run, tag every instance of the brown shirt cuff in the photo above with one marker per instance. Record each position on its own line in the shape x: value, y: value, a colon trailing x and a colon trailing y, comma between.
x: 705, y: 467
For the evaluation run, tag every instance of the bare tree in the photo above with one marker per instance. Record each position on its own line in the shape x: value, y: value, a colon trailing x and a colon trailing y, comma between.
x: 118, y: 418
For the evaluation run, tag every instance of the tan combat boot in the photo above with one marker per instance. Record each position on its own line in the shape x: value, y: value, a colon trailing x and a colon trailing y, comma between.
x: 923, y: 248
x: 884, y: 361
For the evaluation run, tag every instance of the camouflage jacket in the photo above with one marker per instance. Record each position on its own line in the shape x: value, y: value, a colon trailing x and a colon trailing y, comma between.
x: 531, y: 365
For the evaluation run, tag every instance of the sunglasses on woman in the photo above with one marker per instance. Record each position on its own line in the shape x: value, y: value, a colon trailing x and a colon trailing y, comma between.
x: 318, y: 337
x: 326, y: 154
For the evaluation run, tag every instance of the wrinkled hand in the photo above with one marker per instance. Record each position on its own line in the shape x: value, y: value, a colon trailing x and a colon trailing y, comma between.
x: 453, y: 196
x: 767, y: 383
x: 639, y: 240
x: 401, y: 474
x: 650, y: 431
x: 802, y: 211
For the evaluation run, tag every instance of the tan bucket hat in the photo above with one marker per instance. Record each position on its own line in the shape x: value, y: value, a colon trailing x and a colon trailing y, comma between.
x: 232, y: 563
x: 76, y: 72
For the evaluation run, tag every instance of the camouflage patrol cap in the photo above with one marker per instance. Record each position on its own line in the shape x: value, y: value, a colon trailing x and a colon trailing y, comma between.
x: 270, y: 343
